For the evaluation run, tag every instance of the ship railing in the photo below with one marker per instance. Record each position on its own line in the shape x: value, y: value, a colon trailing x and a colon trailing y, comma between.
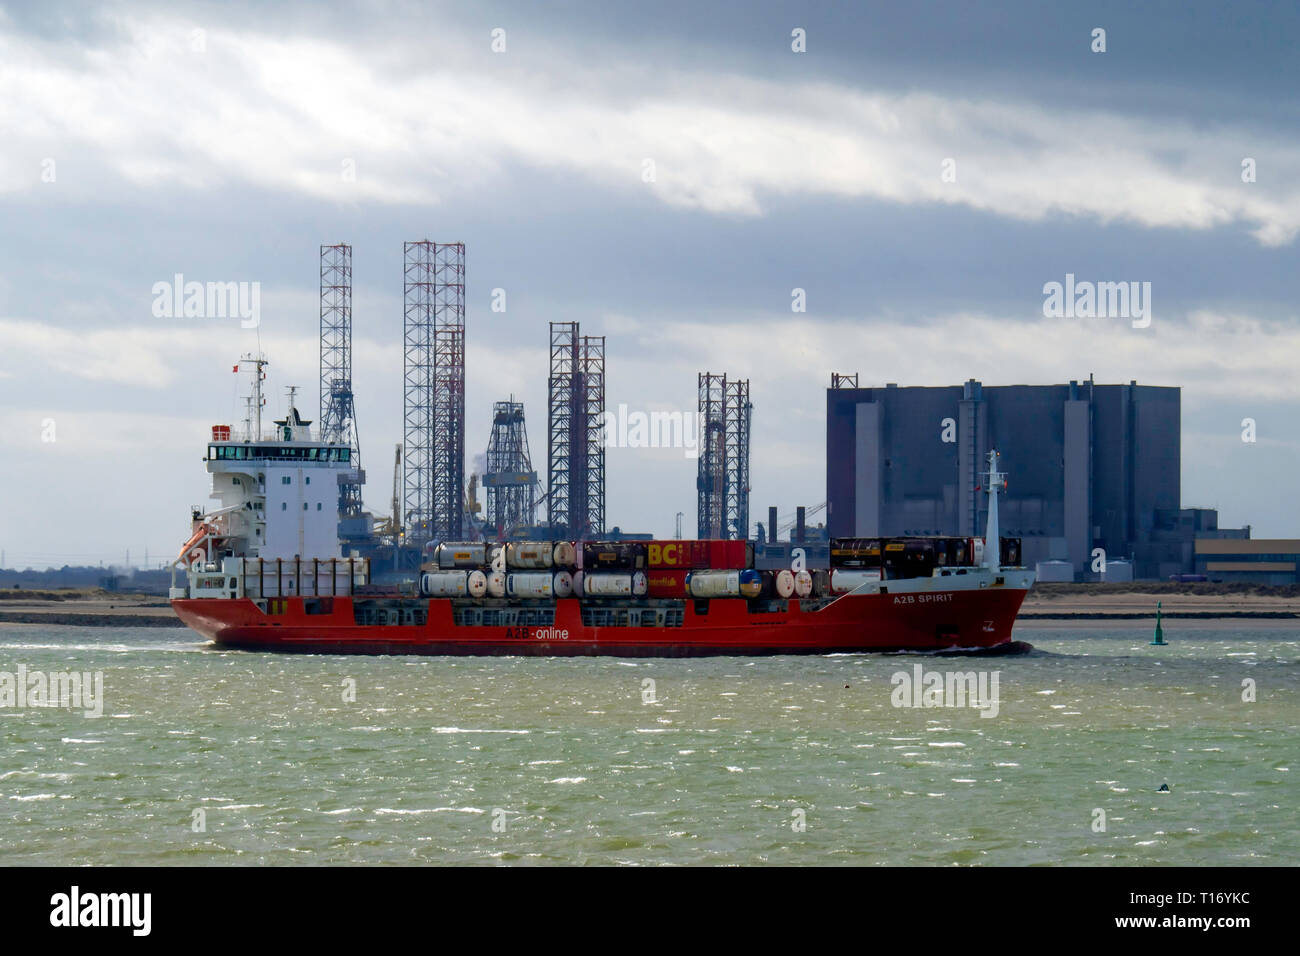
x: 317, y: 577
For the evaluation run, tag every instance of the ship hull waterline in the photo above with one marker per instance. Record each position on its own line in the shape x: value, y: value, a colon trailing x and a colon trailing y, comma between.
x: 975, y: 620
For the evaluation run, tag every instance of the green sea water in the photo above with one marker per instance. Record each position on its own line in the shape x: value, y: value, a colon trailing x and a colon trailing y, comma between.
x: 221, y: 757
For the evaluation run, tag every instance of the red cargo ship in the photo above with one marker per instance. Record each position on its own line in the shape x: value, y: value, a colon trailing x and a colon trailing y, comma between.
x: 249, y: 583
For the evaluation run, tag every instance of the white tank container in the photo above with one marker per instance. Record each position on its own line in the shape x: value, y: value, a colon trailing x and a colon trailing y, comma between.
x: 531, y: 584
x: 711, y: 584
x: 564, y: 555
x: 477, y: 584
x: 529, y: 554
x: 496, y: 584
x: 845, y: 580
x: 613, y: 583
x: 445, y: 584
x: 562, y: 584
x: 783, y: 583
x: 461, y: 554
x: 802, y: 584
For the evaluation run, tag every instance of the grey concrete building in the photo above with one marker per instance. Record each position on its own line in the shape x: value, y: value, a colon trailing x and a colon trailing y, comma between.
x: 1091, y: 466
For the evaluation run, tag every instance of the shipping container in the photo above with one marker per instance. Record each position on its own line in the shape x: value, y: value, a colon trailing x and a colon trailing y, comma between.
x: 564, y: 555
x: 496, y: 584
x: 726, y: 555
x: 952, y: 552
x: 531, y: 584
x: 718, y: 583
x: 614, y: 583
x: 856, y: 553
x: 778, y: 584
x: 443, y: 584
x: 562, y: 584
x: 666, y: 582
x: 803, y: 584
x: 612, y: 556
x: 909, y: 557
x: 687, y: 555
x: 529, y: 555
x: 461, y: 554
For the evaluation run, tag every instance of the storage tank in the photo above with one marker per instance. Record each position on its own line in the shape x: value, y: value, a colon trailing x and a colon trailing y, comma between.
x: 445, y: 584
x: 952, y: 552
x: 562, y: 584
x: 461, y: 554
x: 564, y: 554
x: 531, y: 584
x: 496, y: 584
x: 803, y: 584
x: 821, y: 582
x: 717, y: 583
x: 614, y: 583
x: 778, y: 584
x: 1117, y: 571
x: 1054, y: 571
x: 530, y: 555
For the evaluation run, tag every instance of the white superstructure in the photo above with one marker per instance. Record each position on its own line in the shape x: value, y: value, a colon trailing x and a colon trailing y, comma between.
x: 275, y: 502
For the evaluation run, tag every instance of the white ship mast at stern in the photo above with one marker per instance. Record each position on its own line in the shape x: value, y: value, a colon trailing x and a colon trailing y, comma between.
x: 997, y: 482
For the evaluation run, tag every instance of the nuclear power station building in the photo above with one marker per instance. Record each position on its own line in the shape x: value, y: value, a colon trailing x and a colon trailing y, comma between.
x: 1091, y: 466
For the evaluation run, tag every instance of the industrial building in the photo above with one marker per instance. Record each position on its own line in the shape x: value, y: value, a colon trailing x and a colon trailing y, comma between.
x: 1267, y: 561
x: 1091, y: 466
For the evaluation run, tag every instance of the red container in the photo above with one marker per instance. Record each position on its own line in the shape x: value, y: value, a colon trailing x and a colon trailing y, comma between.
x: 688, y: 555
x: 221, y: 433
x: 666, y: 582
x: 730, y: 555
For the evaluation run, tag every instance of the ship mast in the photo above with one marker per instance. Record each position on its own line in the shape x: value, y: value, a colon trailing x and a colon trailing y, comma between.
x: 997, y: 481
x: 255, y: 401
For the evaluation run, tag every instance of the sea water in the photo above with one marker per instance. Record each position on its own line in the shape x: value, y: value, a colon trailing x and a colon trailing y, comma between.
x: 203, y: 756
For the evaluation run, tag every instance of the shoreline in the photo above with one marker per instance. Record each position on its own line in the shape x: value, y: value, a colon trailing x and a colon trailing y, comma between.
x: 1051, y: 605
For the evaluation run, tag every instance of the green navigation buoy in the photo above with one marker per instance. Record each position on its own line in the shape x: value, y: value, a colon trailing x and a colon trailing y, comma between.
x: 1159, y: 640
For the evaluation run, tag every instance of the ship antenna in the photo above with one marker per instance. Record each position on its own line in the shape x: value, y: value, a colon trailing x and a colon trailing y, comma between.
x: 256, y: 401
x: 997, y: 482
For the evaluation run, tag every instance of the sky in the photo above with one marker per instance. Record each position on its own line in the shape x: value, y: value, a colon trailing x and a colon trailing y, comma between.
x: 666, y: 174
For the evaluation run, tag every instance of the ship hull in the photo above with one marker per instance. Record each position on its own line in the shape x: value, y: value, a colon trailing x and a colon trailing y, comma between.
x: 976, y: 619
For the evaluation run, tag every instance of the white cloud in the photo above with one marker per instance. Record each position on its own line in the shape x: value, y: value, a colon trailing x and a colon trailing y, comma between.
x: 285, y: 112
x: 1210, y: 354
